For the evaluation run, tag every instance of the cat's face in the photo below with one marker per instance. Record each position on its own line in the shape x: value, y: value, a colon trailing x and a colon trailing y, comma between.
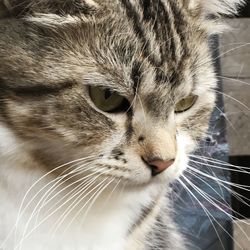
x: 127, y: 87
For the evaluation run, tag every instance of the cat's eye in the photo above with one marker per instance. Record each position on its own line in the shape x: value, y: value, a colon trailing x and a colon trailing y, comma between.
x: 185, y: 103
x: 108, y: 100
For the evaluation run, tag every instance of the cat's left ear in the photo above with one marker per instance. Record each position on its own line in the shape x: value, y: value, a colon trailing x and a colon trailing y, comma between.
x: 21, y: 8
x: 215, y: 7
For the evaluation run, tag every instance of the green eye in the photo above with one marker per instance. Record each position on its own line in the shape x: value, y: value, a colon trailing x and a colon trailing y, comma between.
x: 107, y: 100
x: 185, y: 103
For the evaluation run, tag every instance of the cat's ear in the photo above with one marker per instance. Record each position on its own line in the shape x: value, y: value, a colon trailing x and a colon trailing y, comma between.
x: 210, y: 12
x: 21, y: 8
x: 4, y: 9
x: 216, y: 7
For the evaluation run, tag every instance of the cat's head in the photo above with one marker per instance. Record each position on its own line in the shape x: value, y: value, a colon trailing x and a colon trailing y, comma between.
x: 127, y: 84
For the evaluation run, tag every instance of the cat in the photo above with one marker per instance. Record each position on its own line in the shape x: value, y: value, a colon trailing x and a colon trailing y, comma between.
x: 100, y: 104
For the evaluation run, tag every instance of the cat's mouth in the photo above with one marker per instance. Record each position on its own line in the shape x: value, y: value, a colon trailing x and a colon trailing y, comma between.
x: 142, y: 176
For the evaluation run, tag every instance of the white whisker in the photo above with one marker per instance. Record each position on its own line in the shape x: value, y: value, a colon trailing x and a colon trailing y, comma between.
x: 243, y: 187
x: 211, y: 199
x: 74, y: 204
x: 209, y: 215
x: 93, y: 197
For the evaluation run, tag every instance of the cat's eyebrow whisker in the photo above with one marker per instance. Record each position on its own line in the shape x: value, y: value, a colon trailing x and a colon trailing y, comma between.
x: 229, y: 114
x: 233, y: 49
x: 234, y: 80
x: 209, y: 215
x: 228, y: 44
x: 224, y: 53
x: 234, y: 99
x: 117, y: 35
x: 227, y: 119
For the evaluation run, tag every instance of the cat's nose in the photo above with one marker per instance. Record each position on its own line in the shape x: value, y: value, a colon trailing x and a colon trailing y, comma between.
x: 158, y: 165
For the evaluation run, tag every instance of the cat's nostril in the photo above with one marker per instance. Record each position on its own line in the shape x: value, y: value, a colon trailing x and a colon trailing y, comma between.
x: 157, y: 166
x: 141, y: 138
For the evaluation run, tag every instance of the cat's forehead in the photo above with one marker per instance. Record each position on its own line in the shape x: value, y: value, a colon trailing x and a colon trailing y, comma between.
x: 126, y: 47
x: 152, y: 47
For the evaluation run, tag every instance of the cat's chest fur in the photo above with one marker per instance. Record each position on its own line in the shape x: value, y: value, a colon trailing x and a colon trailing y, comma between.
x: 106, y: 231
x: 109, y: 228
x: 109, y: 225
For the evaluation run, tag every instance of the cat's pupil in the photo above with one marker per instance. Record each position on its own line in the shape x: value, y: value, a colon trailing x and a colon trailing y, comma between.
x: 107, y: 93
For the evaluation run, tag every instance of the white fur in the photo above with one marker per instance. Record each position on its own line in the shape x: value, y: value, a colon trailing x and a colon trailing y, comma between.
x: 52, y: 20
x: 215, y: 7
x: 105, y: 228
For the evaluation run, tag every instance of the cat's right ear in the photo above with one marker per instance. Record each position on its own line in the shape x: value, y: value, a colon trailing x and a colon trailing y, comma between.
x: 211, y: 12
x: 215, y: 7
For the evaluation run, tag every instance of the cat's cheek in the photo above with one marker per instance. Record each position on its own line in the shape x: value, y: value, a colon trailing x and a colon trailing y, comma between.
x: 186, y: 142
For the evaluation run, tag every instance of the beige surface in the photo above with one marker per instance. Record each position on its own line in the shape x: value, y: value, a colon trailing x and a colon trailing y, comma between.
x: 235, y: 62
x: 242, y: 235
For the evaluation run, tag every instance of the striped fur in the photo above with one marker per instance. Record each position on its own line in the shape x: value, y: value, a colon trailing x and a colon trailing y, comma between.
x: 152, y: 52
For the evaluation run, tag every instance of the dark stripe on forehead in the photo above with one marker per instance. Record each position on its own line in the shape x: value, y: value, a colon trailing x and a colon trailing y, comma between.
x: 180, y: 25
x: 140, y: 33
x: 3, y: 113
x: 155, y: 12
x: 168, y: 25
x: 129, y: 132
x: 35, y: 90
x: 136, y: 75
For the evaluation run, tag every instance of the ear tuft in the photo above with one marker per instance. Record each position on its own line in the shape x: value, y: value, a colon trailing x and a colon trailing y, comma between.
x: 217, y: 7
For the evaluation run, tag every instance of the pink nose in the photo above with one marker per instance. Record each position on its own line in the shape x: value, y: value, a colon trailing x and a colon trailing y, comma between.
x: 158, y: 165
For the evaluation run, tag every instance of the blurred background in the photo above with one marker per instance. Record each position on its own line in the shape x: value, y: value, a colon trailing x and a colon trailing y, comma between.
x: 213, y: 210
x: 235, y: 75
